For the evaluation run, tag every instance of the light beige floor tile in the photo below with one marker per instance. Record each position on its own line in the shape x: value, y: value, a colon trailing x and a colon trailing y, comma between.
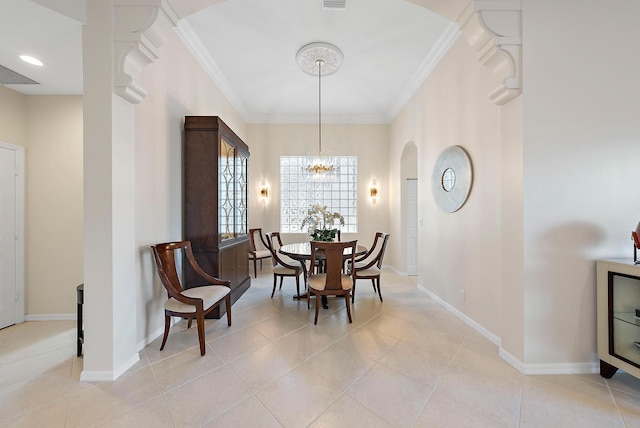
x: 31, y: 367
x: 371, y: 344
x: 260, y: 367
x: 395, y: 398
x: 109, y: 400
x: 152, y: 414
x: 493, y: 394
x: 341, y: 364
x: 205, y: 398
x: 567, y: 401
x: 249, y: 413
x: 413, y: 362
x: 275, y: 327
x: 624, y: 382
x: 348, y: 413
x: 51, y: 415
x: 255, y: 315
x: 184, y: 367
x: 444, y: 411
x: 28, y: 395
x: 298, y: 397
x: 234, y: 345
x: 388, y: 325
x: 629, y: 408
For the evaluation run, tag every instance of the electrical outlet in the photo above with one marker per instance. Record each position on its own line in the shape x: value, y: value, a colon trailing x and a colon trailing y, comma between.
x: 462, y: 294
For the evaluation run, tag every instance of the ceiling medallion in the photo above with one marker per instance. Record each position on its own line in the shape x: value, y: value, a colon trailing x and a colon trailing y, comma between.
x: 309, y: 55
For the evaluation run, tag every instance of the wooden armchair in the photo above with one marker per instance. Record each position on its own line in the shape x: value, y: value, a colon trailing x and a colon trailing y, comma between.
x: 193, y: 302
x: 369, y: 266
x: 257, y: 252
x: 332, y: 282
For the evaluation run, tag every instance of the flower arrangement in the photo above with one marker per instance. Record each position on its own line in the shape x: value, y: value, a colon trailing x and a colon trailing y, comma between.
x: 320, y: 222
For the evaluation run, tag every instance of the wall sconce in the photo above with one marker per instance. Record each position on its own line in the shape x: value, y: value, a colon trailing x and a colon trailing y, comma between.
x: 373, y: 192
x: 264, y: 192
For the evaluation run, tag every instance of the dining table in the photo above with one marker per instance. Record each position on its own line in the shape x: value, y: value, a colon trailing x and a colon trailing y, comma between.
x: 301, y: 251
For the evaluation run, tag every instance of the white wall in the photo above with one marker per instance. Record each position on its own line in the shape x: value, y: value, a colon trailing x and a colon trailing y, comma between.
x: 368, y: 142
x: 13, y: 117
x: 581, y: 157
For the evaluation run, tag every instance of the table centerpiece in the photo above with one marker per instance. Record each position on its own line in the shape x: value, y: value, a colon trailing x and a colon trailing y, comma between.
x: 320, y: 223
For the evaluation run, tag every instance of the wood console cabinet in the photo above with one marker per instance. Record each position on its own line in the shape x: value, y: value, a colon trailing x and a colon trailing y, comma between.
x: 216, y: 165
x: 618, y: 298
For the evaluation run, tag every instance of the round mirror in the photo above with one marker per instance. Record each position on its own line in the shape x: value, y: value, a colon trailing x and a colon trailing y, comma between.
x: 448, y: 179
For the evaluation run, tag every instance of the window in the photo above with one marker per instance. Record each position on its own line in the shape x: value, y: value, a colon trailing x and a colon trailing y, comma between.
x: 299, y: 190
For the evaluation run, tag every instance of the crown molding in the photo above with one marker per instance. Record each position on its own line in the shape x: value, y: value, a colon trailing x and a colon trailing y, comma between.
x: 200, y: 53
x: 139, y: 29
x: 439, y: 49
x: 494, y: 29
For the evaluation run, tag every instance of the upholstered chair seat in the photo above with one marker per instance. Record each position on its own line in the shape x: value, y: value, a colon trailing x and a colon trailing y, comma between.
x: 210, y: 294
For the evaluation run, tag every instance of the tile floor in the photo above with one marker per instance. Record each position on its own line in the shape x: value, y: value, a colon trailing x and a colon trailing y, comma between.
x: 406, y: 362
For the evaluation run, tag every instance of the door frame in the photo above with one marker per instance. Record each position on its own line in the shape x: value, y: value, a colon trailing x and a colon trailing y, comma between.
x: 19, y: 152
x: 411, y: 249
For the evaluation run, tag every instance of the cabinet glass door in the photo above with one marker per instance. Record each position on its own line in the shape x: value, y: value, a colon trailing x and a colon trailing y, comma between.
x: 624, y: 323
x: 242, y: 163
x: 226, y: 195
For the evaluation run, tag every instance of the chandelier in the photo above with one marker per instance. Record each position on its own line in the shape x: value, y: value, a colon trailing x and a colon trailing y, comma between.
x: 321, y: 59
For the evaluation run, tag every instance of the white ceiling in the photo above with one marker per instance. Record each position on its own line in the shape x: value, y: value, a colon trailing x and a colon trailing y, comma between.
x: 249, y: 48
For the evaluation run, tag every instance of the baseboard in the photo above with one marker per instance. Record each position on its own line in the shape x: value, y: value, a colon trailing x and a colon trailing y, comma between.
x: 51, y: 317
x: 479, y: 328
x: 106, y: 375
x: 527, y: 369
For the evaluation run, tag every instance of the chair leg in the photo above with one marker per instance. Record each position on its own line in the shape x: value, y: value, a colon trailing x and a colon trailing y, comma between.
x: 315, y: 320
x: 353, y: 292
x: 200, y: 322
x: 167, y: 325
x: 189, y: 322
x: 275, y: 281
x: 255, y: 270
x: 227, y: 301
x: 308, y: 296
x: 281, y: 279
x: 379, y: 292
x: 346, y: 300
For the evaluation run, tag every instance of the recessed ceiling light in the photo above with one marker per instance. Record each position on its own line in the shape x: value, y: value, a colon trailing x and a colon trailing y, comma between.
x: 31, y: 60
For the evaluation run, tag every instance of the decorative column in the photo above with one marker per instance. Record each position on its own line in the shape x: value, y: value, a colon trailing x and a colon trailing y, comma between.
x: 119, y: 39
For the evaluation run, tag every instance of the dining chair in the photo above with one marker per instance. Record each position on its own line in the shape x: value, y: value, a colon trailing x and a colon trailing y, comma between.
x: 369, y: 266
x: 332, y: 282
x: 258, y: 249
x: 283, y: 266
x: 319, y: 264
x: 190, y: 303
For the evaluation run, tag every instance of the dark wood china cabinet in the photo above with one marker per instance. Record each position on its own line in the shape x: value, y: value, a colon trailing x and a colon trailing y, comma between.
x: 216, y: 165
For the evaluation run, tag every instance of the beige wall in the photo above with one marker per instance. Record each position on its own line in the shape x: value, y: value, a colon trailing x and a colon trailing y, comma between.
x: 368, y: 142
x: 54, y: 226
x: 458, y: 250
x: 50, y: 129
x: 13, y: 117
x: 581, y: 155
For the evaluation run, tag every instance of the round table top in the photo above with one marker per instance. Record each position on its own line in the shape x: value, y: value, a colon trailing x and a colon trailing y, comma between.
x: 302, y: 250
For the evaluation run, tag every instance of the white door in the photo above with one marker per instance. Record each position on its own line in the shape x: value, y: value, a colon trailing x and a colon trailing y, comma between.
x: 412, y: 226
x: 8, y: 234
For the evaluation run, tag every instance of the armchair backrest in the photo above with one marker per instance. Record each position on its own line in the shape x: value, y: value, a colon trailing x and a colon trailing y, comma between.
x: 274, y: 242
x: 333, y: 254
x: 255, y: 244
x: 165, y: 258
x: 376, y: 252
